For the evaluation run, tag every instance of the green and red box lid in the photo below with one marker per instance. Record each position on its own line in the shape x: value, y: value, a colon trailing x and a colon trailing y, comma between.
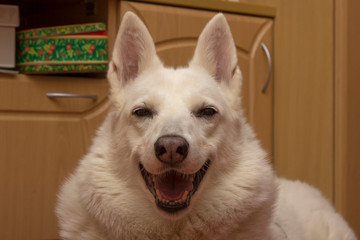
x: 63, y: 49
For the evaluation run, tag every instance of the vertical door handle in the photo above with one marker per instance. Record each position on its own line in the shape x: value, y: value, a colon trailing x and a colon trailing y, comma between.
x: 268, y: 56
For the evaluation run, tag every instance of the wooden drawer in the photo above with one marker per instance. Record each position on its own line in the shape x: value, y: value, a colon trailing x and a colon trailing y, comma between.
x: 29, y: 93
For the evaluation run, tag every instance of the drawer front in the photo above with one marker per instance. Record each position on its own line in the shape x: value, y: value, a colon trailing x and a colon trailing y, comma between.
x: 41, y: 93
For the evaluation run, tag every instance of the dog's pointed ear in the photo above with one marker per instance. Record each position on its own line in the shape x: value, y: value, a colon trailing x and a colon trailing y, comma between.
x: 134, y: 50
x: 215, y: 50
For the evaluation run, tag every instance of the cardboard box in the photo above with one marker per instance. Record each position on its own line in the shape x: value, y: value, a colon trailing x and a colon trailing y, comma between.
x: 9, y: 20
x: 63, y: 49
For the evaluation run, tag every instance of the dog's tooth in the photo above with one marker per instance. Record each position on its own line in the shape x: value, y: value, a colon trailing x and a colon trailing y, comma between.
x: 184, y: 197
x: 158, y: 194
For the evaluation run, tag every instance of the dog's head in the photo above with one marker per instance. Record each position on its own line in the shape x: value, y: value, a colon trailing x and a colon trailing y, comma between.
x: 173, y: 126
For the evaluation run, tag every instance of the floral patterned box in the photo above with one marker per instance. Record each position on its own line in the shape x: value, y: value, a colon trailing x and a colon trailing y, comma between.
x: 63, y: 49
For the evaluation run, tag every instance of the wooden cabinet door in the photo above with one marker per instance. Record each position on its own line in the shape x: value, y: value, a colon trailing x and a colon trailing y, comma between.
x: 41, y: 142
x: 175, y: 31
x: 36, y: 152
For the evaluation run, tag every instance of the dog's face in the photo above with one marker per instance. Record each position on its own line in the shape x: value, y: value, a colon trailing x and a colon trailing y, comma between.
x: 172, y: 124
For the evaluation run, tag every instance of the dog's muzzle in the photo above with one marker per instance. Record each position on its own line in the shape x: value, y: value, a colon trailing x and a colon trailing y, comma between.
x: 172, y: 189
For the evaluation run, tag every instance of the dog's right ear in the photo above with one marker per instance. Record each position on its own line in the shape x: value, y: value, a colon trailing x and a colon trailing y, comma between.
x: 215, y: 50
x: 134, y: 51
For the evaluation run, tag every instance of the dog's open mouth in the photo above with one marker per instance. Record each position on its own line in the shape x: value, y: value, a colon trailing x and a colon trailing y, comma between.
x: 173, y: 190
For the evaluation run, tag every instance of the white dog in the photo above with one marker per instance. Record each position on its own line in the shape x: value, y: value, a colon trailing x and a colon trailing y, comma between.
x: 175, y: 158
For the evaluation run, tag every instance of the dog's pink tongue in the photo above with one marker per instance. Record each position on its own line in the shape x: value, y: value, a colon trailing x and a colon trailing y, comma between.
x: 172, y: 185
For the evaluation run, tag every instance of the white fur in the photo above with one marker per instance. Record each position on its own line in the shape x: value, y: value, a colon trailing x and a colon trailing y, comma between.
x: 106, y: 197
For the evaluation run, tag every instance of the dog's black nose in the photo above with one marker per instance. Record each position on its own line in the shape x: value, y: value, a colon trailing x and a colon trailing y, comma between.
x: 171, y: 149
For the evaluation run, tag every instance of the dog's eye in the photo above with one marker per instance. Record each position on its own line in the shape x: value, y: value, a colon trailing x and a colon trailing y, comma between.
x: 206, y: 112
x: 142, y: 112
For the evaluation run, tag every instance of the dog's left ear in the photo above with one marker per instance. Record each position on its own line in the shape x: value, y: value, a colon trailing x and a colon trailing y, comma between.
x: 215, y: 50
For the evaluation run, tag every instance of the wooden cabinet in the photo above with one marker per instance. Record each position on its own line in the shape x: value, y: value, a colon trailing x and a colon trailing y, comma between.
x: 175, y: 31
x: 36, y: 153
x: 347, y: 111
x: 41, y: 141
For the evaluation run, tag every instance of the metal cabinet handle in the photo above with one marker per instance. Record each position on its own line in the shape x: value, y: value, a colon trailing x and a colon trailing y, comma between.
x: 266, y: 50
x: 69, y: 95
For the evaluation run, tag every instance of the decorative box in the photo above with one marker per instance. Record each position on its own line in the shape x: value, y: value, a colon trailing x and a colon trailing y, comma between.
x: 63, y: 49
